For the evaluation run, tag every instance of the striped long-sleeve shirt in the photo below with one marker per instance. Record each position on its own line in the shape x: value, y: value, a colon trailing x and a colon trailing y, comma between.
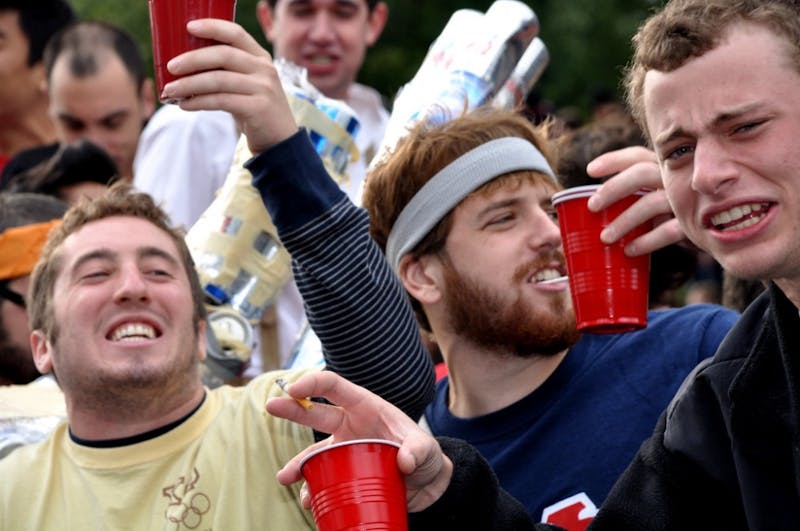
x: 354, y: 302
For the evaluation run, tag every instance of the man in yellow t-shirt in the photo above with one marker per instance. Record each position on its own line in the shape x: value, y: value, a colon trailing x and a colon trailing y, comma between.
x: 118, y: 317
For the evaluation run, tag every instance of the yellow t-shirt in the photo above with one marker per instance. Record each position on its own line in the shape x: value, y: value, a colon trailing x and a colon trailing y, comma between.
x: 214, y: 471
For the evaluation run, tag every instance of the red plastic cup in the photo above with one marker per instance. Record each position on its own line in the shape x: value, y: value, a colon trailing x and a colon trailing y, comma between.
x: 356, y: 485
x: 168, y: 33
x: 609, y: 289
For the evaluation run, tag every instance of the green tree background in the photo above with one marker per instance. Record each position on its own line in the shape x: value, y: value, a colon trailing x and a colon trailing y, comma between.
x: 588, y: 40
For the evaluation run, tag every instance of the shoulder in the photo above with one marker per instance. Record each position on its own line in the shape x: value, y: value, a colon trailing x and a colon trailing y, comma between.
x: 701, y: 314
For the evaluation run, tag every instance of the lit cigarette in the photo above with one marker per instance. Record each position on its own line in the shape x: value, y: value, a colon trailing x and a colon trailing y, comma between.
x: 305, y: 402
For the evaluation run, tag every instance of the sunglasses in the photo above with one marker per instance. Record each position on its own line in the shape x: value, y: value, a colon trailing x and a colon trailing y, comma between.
x: 11, y: 296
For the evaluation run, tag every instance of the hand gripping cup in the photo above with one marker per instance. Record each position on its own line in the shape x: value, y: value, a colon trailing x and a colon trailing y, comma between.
x: 609, y: 289
x: 168, y: 20
x: 356, y: 485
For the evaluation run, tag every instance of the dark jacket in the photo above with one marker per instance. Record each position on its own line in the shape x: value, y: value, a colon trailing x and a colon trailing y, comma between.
x: 726, y: 452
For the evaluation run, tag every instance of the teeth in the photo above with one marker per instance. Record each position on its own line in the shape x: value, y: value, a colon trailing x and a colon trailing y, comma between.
x: 739, y: 213
x: 133, y: 332
x: 323, y: 60
x: 545, y: 274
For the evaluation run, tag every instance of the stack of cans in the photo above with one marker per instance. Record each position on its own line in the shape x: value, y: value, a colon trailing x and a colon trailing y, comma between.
x: 491, y: 58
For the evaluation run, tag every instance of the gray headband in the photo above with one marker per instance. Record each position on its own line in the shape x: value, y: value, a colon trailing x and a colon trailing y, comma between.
x: 453, y: 183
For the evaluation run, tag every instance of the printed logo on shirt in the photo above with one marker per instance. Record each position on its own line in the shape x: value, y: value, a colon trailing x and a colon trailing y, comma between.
x: 186, y: 507
x: 573, y: 513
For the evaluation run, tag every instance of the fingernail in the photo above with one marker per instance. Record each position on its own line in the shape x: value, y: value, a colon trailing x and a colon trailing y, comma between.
x: 608, y: 235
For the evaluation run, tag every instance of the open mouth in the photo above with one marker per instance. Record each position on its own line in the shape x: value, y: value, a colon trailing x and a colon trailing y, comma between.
x: 739, y: 217
x: 133, y: 332
x: 544, y: 275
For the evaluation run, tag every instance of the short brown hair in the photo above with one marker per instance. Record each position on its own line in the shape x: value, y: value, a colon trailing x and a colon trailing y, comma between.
x: 423, y: 152
x: 685, y: 29
x: 121, y: 199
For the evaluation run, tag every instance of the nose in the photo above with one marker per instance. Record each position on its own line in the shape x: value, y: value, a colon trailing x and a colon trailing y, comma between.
x: 544, y: 231
x: 132, y: 286
x: 322, y: 28
x: 713, y: 168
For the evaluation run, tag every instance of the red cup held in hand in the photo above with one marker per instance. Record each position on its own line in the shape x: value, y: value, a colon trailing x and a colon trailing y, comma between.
x: 168, y: 20
x: 609, y: 289
x: 356, y: 485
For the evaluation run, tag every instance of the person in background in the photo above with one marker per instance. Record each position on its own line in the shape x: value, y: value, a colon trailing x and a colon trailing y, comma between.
x: 99, y: 89
x: 329, y: 38
x: 25, y: 221
x: 75, y: 170
x: 25, y: 28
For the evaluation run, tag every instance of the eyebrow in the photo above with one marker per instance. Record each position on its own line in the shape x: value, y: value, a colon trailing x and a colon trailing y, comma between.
x: 64, y: 116
x: 505, y: 203
x: 718, y: 120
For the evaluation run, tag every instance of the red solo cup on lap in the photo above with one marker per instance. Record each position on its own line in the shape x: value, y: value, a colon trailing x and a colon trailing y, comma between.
x: 356, y: 485
x: 609, y: 289
x: 168, y: 33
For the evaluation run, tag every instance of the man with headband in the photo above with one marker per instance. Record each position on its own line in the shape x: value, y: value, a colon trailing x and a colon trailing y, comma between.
x: 463, y: 210
x: 25, y: 221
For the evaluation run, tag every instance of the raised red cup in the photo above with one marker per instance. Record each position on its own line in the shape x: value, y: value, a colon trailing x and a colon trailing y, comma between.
x: 356, y: 485
x: 168, y: 33
x: 609, y: 289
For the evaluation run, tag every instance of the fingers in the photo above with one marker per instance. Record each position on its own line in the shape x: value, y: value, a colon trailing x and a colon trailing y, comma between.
x: 224, y: 31
x: 321, y: 417
x: 336, y: 389
x: 662, y: 235
x: 290, y: 473
x: 634, y: 168
x: 238, y: 76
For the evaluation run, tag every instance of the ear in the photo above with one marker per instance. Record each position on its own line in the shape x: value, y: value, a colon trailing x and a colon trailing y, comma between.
x: 421, y: 277
x: 377, y: 21
x: 147, y: 95
x: 265, y: 18
x: 42, y: 352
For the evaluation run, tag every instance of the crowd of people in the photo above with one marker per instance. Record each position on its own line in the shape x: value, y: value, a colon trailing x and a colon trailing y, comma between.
x: 448, y: 244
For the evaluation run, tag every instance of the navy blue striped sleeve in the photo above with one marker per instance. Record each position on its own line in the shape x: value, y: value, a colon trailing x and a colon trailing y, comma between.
x: 353, y: 300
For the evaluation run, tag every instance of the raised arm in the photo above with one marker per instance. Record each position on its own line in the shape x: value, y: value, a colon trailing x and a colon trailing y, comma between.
x: 354, y: 302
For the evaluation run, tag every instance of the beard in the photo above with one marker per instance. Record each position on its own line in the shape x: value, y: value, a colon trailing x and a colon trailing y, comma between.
x: 519, y: 329
x: 135, y: 390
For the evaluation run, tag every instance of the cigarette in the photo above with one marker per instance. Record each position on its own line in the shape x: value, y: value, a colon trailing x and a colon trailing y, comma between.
x: 305, y: 402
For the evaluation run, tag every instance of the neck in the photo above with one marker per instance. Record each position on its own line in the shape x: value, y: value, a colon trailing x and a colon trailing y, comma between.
x: 483, y: 382
x: 31, y: 129
x: 133, y: 416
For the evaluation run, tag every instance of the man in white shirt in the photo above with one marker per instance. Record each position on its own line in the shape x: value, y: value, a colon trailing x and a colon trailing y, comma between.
x: 327, y: 37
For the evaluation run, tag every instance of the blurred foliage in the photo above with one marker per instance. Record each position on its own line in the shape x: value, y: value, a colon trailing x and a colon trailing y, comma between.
x: 588, y: 41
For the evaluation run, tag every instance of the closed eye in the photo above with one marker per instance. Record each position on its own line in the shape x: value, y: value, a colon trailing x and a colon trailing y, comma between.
x: 748, y: 127
x: 501, y: 219
x: 95, y: 275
